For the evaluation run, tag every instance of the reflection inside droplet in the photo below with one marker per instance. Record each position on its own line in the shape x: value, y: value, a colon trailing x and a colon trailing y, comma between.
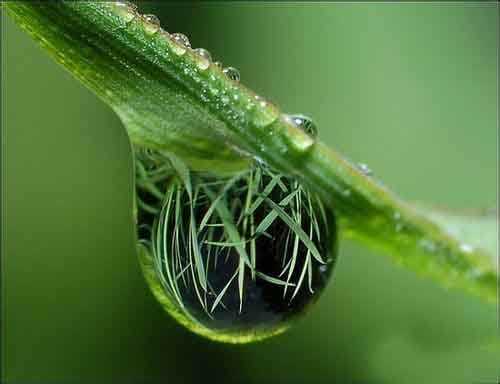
x: 236, y: 258
x: 232, y: 73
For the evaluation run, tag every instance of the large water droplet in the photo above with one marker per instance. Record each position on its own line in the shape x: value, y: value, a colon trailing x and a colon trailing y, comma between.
x: 242, y: 257
x: 305, y: 123
x: 232, y: 73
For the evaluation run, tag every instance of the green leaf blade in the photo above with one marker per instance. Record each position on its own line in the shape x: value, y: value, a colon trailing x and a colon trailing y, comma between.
x: 168, y: 102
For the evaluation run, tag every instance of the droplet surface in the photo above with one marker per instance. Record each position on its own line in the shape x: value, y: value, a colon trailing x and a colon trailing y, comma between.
x: 428, y: 245
x: 204, y: 58
x: 236, y: 259
x: 203, y: 53
x: 126, y: 4
x: 218, y: 64
x: 232, y: 73
x: 152, y: 24
x: 365, y: 169
x: 126, y: 9
x: 305, y: 123
x: 181, y: 39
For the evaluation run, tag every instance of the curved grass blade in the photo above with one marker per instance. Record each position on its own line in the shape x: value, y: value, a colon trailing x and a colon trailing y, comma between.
x: 168, y: 99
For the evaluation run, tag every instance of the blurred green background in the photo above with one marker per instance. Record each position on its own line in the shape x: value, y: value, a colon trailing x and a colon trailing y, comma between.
x: 409, y: 89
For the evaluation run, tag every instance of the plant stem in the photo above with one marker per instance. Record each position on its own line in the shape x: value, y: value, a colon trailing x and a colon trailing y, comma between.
x: 170, y: 99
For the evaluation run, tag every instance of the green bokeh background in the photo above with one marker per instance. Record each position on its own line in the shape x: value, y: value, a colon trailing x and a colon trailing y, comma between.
x: 410, y: 89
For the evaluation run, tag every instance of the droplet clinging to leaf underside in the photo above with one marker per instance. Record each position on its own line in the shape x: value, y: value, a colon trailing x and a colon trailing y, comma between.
x: 239, y: 254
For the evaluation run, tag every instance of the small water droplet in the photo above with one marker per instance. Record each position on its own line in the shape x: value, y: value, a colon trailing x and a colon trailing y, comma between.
x: 305, y: 123
x: 181, y: 39
x: 232, y: 73
x: 127, y: 10
x: 218, y: 64
x: 152, y: 24
x: 467, y: 248
x: 126, y: 4
x: 365, y: 169
x: 204, y: 95
x: 204, y: 58
x: 203, y: 53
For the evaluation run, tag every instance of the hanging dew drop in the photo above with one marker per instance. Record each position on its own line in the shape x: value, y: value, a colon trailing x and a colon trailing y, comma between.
x: 235, y: 259
x: 232, y: 73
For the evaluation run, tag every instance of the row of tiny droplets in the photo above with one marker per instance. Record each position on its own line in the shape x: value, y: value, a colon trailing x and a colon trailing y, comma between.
x: 152, y: 26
